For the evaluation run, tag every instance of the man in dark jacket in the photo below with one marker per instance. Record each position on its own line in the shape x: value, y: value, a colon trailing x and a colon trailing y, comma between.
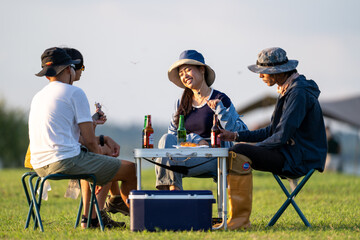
x: 295, y: 140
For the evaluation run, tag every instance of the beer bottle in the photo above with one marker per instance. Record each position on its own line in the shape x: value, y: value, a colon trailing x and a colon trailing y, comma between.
x: 143, y: 133
x: 215, y: 131
x: 181, y: 131
x: 148, y: 134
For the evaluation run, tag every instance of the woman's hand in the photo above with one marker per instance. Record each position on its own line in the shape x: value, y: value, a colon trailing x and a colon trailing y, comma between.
x: 203, y: 142
x: 227, y: 135
x: 114, y: 148
x: 212, y: 103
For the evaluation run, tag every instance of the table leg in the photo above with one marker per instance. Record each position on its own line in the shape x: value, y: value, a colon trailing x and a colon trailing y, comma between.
x: 219, y: 190
x: 138, y: 172
x: 224, y: 192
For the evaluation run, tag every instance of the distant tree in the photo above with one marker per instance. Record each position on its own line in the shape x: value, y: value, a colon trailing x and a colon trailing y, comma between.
x: 14, y: 137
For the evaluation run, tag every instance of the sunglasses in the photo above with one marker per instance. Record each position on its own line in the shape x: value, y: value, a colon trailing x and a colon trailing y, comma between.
x: 82, y: 68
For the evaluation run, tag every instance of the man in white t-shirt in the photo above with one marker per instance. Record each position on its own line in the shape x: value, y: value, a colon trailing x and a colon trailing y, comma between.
x: 62, y: 137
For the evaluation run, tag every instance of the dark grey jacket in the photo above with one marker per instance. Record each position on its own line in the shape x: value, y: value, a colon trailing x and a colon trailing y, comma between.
x: 296, y: 129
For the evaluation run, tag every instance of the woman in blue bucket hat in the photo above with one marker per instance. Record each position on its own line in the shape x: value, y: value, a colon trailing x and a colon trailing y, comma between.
x: 198, y: 104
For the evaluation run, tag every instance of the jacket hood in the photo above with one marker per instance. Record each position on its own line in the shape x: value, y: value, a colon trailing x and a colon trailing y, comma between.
x: 308, y: 85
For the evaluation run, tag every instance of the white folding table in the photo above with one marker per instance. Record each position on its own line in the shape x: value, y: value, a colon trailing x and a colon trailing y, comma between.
x: 220, y: 153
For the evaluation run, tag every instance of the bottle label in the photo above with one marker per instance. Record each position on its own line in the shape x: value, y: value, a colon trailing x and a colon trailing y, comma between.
x: 149, y: 140
x: 215, y: 140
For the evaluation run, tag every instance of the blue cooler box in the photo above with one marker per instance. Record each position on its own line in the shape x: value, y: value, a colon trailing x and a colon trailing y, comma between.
x: 170, y: 210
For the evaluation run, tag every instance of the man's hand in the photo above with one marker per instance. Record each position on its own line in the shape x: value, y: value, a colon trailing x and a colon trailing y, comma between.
x: 227, y: 135
x: 99, y: 117
x: 101, y: 120
x: 88, y: 139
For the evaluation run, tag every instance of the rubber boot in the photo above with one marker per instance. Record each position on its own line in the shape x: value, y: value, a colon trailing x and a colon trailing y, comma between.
x: 240, y: 186
x: 240, y: 200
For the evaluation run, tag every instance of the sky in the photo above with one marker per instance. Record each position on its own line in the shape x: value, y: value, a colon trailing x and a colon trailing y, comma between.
x: 129, y: 45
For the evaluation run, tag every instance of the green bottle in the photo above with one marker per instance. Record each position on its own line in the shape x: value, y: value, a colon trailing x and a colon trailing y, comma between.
x: 143, y: 133
x: 181, y: 131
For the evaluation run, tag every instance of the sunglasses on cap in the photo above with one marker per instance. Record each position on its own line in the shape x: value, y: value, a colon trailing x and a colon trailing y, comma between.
x: 81, y: 67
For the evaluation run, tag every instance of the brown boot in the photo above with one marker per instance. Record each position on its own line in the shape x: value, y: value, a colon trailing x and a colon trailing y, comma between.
x: 240, y: 201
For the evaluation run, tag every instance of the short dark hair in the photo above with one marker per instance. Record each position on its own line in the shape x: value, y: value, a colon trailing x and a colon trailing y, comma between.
x: 289, y: 73
x: 75, y: 54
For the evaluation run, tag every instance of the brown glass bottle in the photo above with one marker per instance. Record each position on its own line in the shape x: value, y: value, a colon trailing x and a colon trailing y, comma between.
x: 215, y: 131
x: 148, y: 134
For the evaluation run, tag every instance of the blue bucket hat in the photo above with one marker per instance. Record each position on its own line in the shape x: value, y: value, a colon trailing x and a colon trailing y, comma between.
x: 190, y: 57
x: 273, y: 61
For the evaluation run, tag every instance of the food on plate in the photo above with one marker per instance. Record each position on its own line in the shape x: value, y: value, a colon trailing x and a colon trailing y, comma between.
x: 189, y: 144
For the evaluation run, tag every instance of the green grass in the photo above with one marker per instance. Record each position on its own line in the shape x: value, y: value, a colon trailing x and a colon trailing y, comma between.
x: 329, y: 201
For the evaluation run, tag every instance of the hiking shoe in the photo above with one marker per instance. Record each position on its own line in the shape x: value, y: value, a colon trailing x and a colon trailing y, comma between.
x: 115, y: 204
x: 108, y: 222
x: 94, y: 223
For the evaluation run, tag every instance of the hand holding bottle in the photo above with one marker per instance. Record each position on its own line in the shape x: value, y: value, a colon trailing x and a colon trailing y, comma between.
x: 99, y: 117
x: 227, y: 135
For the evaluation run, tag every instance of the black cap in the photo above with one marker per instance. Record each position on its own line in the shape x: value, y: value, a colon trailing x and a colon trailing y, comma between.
x: 53, y: 61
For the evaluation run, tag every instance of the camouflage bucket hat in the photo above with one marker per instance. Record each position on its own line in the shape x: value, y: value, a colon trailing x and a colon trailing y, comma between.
x: 272, y: 61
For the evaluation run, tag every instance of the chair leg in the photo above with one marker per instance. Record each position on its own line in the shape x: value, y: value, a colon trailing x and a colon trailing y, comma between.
x: 31, y: 212
x: 301, y: 215
x: 290, y: 200
x: 94, y: 201
x: 80, y: 208
x: 31, y: 188
x: 35, y: 204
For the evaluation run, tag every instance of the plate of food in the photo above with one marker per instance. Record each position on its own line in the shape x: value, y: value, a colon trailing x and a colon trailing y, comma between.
x: 190, y: 145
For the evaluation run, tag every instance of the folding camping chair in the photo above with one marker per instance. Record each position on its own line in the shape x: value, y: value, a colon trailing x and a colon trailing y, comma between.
x: 290, y: 199
x: 34, y: 205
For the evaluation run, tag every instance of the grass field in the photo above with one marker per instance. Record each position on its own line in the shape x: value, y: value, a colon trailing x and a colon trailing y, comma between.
x: 331, y: 203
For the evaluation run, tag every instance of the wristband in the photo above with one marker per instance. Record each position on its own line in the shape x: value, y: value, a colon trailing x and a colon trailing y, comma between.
x: 101, y: 140
x: 236, y: 139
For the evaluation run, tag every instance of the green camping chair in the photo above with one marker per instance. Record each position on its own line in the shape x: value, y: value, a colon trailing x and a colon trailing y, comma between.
x: 34, y: 205
x: 290, y: 199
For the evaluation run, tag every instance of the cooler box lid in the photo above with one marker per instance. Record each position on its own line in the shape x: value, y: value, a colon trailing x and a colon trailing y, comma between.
x: 155, y: 194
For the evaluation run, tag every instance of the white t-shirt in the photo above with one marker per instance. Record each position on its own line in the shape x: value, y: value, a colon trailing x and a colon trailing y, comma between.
x: 55, y: 113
